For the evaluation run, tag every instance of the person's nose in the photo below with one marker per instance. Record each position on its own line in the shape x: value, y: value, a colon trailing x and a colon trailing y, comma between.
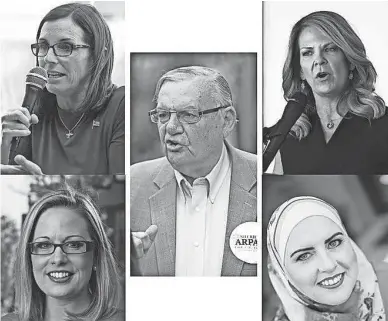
x: 58, y: 257
x: 319, y: 58
x: 50, y: 57
x: 173, y: 125
x: 327, y: 262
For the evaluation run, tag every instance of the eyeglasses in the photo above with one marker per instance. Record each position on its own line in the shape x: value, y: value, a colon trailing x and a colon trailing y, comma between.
x: 71, y: 247
x: 185, y: 116
x: 61, y: 49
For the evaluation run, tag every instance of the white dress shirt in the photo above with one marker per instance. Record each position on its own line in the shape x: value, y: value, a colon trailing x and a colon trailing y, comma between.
x: 202, y: 211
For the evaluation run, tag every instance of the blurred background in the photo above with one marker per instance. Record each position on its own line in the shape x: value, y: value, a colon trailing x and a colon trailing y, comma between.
x: 19, y: 193
x: 19, y: 23
x: 239, y: 70
x: 361, y: 201
x: 278, y: 19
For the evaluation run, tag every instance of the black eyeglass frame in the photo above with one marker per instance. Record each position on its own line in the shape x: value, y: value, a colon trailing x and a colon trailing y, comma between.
x: 72, y: 46
x: 200, y: 113
x: 89, y: 247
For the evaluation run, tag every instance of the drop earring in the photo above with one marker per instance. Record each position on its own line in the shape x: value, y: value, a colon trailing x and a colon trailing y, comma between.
x: 351, y: 75
x: 302, y: 85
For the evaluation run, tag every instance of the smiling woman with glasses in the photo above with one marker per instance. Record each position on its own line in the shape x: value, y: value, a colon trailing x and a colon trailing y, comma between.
x: 77, y: 124
x: 65, y: 266
x: 71, y: 247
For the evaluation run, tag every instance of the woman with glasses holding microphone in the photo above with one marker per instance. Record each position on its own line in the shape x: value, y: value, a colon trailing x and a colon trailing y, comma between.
x: 76, y: 125
x: 65, y: 268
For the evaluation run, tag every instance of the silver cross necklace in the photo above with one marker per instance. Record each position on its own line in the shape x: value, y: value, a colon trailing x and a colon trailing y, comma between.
x: 70, y: 131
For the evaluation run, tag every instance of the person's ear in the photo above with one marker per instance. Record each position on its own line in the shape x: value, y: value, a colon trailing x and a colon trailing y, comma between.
x: 230, y: 120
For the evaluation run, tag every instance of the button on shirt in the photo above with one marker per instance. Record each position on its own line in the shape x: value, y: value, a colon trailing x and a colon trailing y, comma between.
x: 202, y: 211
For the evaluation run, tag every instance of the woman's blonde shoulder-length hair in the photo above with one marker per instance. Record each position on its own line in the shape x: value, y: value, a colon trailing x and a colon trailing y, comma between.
x: 359, y: 95
x: 104, y: 283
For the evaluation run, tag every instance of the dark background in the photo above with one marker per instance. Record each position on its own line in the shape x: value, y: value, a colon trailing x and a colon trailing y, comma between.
x: 362, y: 203
x: 239, y: 69
x: 107, y: 191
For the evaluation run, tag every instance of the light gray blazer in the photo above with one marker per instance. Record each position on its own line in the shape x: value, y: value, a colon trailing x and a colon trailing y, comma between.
x: 153, y: 201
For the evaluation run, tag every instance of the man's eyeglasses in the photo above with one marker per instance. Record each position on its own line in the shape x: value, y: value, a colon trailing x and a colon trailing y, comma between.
x: 185, y: 116
x: 71, y: 247
x: 61, y: 49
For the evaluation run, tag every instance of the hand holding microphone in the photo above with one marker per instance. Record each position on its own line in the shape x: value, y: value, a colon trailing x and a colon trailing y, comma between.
x: 16, y: 123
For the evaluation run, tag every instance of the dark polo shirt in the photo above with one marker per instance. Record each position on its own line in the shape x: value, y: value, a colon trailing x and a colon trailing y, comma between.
x: 97, y: 146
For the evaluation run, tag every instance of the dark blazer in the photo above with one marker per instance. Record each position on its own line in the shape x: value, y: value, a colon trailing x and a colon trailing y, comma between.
x: 153, y: 201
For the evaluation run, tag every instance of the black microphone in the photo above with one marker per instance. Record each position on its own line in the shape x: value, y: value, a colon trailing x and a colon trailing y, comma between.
x: 36, y: 80
x: 294, y: 108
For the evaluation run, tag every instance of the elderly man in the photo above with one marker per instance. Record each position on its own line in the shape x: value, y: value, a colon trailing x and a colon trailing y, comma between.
x: 184, y: 206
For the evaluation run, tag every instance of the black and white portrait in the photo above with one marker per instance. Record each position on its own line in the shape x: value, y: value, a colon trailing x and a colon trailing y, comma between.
x: 62, y: 84
x: 325, y: 249
x: 332, y: 54
x: 193, y: 150
x: 63, y: 247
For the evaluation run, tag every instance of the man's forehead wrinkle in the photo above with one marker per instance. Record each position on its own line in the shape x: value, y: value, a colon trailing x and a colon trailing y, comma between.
x: 193, y: 93
x: 172, y: 101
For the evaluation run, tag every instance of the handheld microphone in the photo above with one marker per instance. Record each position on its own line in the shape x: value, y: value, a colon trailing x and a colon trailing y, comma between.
x: 36, y: 80
x: 294, y: 108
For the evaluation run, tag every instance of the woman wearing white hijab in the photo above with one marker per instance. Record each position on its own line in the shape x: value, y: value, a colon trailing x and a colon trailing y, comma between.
x: 317, y: 271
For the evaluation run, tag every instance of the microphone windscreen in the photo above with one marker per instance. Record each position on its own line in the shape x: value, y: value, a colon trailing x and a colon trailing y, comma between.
x: 294, y: 108
x: 37, y: 77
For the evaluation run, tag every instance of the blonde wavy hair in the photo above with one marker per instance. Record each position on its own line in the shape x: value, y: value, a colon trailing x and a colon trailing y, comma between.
x: 359, y: 96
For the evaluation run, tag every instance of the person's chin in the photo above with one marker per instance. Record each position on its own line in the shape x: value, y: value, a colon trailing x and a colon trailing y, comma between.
x: 55, y: 88
x: 176, y: 158
x: 59, y: 294
x: 327, y: 89
x: 324, y: 89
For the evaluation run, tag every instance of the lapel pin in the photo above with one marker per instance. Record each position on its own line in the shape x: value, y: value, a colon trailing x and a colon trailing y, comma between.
x: 244, y: 242
x: 96, y: 123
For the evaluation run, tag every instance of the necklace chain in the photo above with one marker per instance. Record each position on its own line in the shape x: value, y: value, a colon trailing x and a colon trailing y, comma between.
x: 70, y: 131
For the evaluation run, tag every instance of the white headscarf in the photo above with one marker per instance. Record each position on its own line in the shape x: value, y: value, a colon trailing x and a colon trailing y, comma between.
x: 297, y: 307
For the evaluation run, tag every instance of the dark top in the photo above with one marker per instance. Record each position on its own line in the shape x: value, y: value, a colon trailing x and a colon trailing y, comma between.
x: 97, y: 146
x: 356, y: 147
